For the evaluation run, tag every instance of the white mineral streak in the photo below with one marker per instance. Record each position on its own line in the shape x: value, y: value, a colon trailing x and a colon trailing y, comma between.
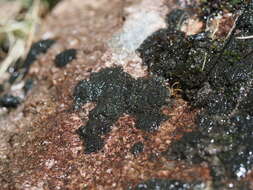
x: 142, y: 20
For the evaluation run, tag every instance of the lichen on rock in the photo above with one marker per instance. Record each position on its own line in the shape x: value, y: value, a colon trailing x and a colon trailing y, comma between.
x: 169, y: 185
x: 116, y: 93
x: 216, y: 77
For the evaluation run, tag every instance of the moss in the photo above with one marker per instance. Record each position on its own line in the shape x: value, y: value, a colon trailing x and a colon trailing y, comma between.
x: 115, y: 93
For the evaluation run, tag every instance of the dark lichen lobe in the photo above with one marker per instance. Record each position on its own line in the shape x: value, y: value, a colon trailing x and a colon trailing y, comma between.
x: 137, y: 148
x: 37, y: 49
x: 116, y: 93
x: 167, y: 184
x: 9, y: 101
x: 65, y: 57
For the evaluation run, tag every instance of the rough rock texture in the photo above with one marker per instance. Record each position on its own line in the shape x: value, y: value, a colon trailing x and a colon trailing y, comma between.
x: 168, y: 185
x: 40, y: 144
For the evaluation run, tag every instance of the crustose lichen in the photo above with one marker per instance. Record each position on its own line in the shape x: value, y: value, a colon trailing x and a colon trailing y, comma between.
x: 115, y: 92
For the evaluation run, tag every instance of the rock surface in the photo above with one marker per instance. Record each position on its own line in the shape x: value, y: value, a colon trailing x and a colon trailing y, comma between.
x: 187, y: 148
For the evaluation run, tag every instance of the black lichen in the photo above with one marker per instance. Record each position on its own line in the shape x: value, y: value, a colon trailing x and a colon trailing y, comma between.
x: 137, y: 148
x: 188, y: 148
x: 37, y: 49
x: 1, y: 88
x: 216, y: 77
x: 210, y: 8
x: 65, y: 57
x: 115, y: 92
x: 167, y: 184
x: 20, y: 69
x: 9, y: 101
x: 164, y: 52
x: 245, y: 23
x: 15, y: 71
x: 29, y: 83
x: 172, y: 55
